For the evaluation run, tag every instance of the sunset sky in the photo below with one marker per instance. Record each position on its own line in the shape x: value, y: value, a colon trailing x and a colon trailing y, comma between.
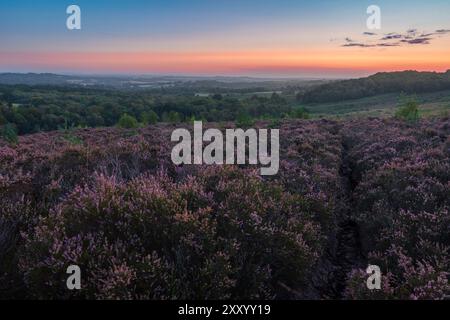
x: 283, y: 38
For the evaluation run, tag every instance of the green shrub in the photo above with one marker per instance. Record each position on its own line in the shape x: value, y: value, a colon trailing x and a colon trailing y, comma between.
x: 73, y: 139
x: 9, y: 133
x: 445, y: 113
x: 128, y: 122
x: 244, y: 121
x: 409, y: 110
x: 300, y: 113
x: 190, y: 119
x: 275, y: 124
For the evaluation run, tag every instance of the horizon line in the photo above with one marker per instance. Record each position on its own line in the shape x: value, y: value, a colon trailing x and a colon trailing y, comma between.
x: 218, y: 75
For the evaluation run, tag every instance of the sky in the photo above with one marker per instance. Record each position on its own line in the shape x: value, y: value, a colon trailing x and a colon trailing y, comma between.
x: 267, y: 38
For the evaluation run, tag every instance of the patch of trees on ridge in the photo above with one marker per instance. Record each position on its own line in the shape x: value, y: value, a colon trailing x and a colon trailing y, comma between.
x: 409, y: 82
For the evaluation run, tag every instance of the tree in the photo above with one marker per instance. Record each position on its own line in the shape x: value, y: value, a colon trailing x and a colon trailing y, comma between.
x: 149, y: 117
x: 128, y: 122
x: 9, y: 133
x: 174, y: 117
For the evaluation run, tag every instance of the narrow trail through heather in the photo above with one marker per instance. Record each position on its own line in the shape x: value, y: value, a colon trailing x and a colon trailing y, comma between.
x: 344, y: 251
x: 348, y: 254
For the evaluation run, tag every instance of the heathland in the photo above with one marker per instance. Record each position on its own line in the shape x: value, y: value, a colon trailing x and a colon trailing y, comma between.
x: 86, y: 178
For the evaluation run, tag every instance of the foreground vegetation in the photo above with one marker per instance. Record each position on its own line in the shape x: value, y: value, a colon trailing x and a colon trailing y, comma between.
x: 111, y: 201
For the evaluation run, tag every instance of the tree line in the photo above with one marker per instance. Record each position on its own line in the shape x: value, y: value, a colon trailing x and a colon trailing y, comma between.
x: 32, y: 109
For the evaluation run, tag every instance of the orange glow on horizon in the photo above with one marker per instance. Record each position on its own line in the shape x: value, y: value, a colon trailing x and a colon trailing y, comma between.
x: 243, y: 62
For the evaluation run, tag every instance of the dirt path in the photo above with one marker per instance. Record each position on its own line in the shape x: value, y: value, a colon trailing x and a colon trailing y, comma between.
x: 344, y: 251
x: 349, y: 254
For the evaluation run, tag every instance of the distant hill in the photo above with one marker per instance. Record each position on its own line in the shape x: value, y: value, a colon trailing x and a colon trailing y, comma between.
x: 409, y: 82
x: 177, y: 84
x: 33, y: 78
x: 51, y: 79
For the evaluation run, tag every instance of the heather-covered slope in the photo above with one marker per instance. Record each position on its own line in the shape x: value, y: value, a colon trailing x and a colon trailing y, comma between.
x: 402, y: 203
x: 111, y: 201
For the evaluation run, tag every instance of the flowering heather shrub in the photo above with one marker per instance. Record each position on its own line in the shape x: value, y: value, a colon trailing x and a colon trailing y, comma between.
x: 223, y: 234
x: 407, y: 276
x: 43, y: 168
x: 140, y: 227
x: 403, y: 198
x: 310, y: 163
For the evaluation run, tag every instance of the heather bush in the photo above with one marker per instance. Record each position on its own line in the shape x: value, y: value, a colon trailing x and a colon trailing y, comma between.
x: 224, y: 234
x: 142, y: 228
x: 409, y: 279
x: 277, y: 252
x: 402, y: 205
x: 310, y: 167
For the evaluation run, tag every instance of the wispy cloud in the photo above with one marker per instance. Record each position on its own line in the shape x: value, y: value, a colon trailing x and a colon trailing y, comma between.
x: 392, y: 36
x: 396, y: 39
x: 383, y: 44
x: 417, y: 41
x: 356, y: 44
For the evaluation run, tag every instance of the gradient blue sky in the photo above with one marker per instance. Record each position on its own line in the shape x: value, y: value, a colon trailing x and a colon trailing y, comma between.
x: 206, y: 36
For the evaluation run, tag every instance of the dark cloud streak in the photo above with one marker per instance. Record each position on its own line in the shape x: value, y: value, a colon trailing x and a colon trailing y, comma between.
x: 394, y: 39
x: 418, y: 41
